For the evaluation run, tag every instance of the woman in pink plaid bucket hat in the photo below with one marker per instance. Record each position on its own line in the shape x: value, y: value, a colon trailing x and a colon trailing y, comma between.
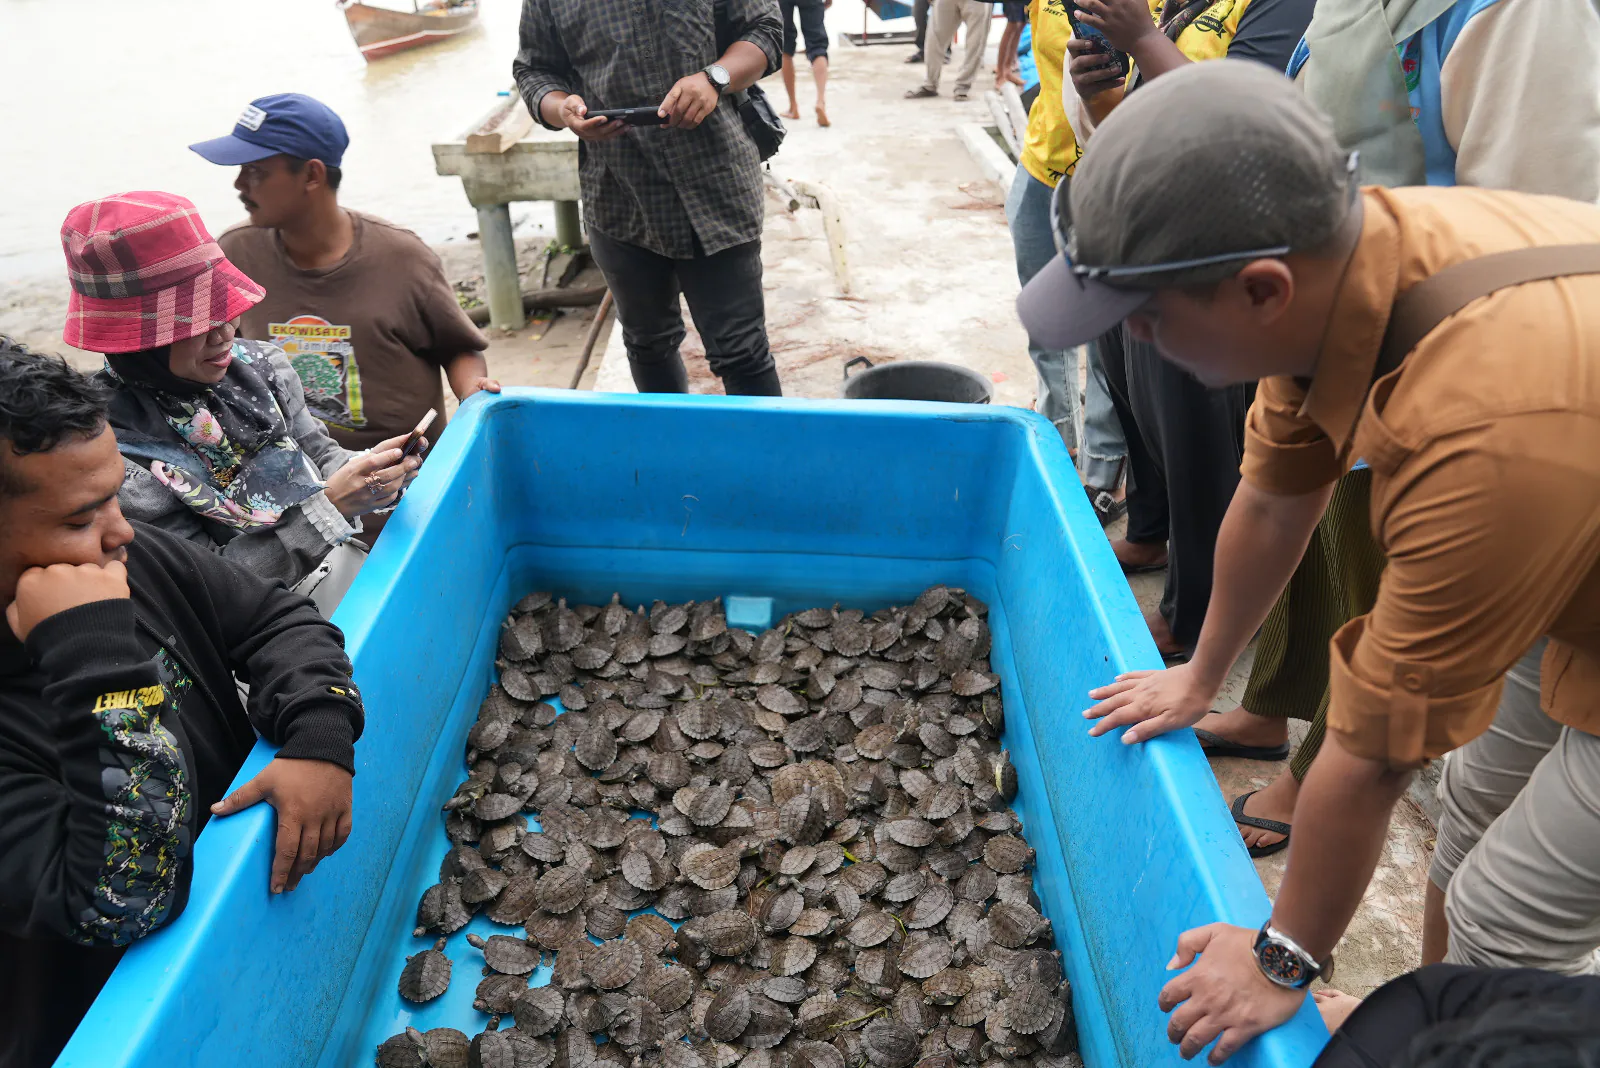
x: 217, y: 442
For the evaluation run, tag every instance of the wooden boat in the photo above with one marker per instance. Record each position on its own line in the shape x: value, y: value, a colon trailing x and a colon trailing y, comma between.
x: 382, y: 31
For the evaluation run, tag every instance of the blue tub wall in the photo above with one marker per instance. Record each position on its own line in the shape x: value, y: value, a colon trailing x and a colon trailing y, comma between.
x: 698, y: 497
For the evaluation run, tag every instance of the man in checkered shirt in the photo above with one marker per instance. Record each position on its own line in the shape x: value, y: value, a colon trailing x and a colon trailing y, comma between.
x: 675, y: 207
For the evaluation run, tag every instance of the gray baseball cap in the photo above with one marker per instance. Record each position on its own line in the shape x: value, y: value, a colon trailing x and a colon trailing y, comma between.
x: 1199, y: 172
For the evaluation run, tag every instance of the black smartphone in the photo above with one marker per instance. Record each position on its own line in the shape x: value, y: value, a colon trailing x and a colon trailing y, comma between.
x: 413, y: 442
x: 631, y: 116
x: 1085, y: 32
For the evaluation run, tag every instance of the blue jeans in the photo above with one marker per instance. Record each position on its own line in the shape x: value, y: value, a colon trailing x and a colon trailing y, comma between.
x: 1095, y: 425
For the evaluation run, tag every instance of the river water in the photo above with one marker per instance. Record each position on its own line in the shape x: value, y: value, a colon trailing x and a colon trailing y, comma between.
x: 107, y: 95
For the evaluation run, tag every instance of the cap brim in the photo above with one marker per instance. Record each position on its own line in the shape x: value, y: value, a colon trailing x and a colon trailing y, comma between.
x: 1062, y: 311
x: 231, y: 151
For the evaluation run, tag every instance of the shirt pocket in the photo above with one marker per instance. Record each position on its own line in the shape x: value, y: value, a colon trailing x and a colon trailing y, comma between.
x: 691, y: 28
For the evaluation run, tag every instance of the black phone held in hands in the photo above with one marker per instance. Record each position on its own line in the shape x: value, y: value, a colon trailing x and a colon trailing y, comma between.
x: 1084, y: 32
x: 631, y: 116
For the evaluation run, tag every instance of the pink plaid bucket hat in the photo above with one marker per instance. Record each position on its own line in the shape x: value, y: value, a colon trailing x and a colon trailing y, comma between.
x: 145, y: 273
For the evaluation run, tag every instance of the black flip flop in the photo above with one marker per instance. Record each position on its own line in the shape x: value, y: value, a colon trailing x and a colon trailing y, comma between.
x: 1276, y: 827
x: 1216, y: 745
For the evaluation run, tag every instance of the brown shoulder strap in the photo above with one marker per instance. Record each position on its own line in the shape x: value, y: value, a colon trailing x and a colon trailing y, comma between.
x: 1433, y: 300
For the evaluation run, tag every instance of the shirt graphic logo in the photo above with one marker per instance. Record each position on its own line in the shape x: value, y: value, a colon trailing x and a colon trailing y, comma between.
x: 324, y: 358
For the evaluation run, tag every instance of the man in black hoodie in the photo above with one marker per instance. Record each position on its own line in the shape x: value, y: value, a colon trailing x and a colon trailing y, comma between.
x: 120, y: 721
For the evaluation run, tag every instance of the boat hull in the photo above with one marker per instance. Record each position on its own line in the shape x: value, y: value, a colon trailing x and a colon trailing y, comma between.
x: 380, y: 32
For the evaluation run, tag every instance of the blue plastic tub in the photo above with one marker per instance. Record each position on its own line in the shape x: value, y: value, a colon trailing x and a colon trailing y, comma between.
x: 788, y: 503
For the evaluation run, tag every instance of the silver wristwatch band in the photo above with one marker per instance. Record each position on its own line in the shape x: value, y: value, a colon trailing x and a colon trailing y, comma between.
x: 1314, y: 969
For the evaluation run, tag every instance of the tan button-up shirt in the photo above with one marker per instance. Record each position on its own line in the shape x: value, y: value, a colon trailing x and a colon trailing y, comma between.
x: 1485, y: 452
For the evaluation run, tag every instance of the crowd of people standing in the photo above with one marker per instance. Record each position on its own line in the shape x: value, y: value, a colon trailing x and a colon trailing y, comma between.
x: 1312, y: 297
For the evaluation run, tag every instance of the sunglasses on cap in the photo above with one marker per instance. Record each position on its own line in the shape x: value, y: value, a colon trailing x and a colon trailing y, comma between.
x: 1065, y: 239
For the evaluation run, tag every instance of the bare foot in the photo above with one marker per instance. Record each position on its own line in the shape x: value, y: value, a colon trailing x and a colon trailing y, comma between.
x: 1014, y: 78
x: 1138, y: 555
x: 1276, y: 802
x: 793, y: 112
x: 1240, y: 727
x: 1335, y: 1006
x: 822, y: 116
x: 1166, y: 644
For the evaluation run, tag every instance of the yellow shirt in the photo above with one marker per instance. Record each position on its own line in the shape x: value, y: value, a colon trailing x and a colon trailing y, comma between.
x: 1210, y: 34
x: 1050, y: 151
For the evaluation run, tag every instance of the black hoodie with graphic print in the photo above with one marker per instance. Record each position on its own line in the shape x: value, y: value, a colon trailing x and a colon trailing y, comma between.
x: 120, y: 726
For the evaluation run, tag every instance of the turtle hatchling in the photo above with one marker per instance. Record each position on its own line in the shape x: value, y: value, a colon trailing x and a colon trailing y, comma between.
x: 426, y: 975
x: 507, y: 955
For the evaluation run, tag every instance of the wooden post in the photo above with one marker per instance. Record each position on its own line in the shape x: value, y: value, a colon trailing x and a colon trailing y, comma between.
x: 569, y: 233
x: 500, y: 267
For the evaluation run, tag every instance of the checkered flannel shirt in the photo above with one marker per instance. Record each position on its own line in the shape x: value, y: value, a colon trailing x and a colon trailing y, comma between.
x: 653, y: 187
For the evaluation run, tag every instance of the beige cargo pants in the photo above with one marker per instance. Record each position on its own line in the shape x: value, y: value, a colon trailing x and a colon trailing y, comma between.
x: 942, y: 22
x: 1518, y: 852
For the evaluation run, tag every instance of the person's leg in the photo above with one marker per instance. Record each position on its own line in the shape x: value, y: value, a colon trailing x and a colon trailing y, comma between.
x: 786, y: 9
x: 1145, y: 542
x: 1006, y: 59
x: 919, y: 17
x: 1102, y: 452
x: 1028, y: 215
x: 943, y: 18
x: 1196, y: 436
x: 725, y: 298
x: 813, y: 26
x: 976, y: 15
x: 644, y: 287
x: 1527, y: 892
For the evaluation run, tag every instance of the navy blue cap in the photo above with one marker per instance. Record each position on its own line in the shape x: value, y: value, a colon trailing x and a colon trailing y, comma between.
x: 289, y: 124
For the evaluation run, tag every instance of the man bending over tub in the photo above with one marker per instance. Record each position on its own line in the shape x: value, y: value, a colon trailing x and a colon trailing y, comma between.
x: 120, y: 721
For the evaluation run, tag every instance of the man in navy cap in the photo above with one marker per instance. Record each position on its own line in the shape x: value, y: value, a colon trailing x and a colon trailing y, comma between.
x: 361, y: 306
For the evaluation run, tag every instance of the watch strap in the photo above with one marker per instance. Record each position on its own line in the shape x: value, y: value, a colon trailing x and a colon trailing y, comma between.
x: 1311, y: 968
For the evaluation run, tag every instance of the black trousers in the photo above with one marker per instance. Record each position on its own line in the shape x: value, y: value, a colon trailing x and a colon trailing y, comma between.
x: 725, y: 298
x: 1449, y: 1015
x: 812, y: 26
x: 919, y: 16
x: 1185, y: 443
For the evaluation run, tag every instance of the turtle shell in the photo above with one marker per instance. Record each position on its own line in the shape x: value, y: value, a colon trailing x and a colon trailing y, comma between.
x: 786, y: 990
x: 727, y: 933
x: 866, y: 878
x: 529, y: 1052
x: 543, y: 848
x: 930, y: 908
x: 1028, y: 1009
x: 728, y: 1014
x: 775, y: 698
x: 497, y: 992
x: 806, y: 735
x: 639, y: 1026
x: 770, y: 1023
x: 670, y: 987
x: 942, y: 802
x: 561, y: 889
x: 711, y: 869
x: 613, y: 964
x: 973, y: 1009
x: 871, y: 928
x: 426, y: 974
x: 553, y: 930
x: 889, y: 1043
x: 811, y: 923
x: 877, y: 967
x: 874, y: 742
x: 644, y: 871
x: 792, y: 956
x: 802, y: 820
x: 483, y: 884
x: 538, y: 1010
x: 978, y: 883
x: 446, y: 1048
x: 946, y: 987
x: 1013, y: 924
x: 441, y: 909
x: 605, y: 921
x: 1007, y: 853
x: 779, y: 911
x: 1005, y: 777
x: 497, y: 806
x: 517, y: 901
x: 701, y: 719
x: 969, y: 683
x: 507, y: 955
x: 405, y: 1050
x: 925, y: 956
x: 490, y: 1050
x: 795, y: 861
x: 846, y: 901
x: 651, y: 933
x: 904, y: 887
x: 706, y: 806
x: 850, y: 637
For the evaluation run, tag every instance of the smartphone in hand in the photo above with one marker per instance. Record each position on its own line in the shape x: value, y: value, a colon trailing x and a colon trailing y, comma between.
x: 413, y: 443
x: 1085, y: 32
x: 631, y: 116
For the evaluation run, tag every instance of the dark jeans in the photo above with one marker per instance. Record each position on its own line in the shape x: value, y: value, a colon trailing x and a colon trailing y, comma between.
x: 919, y: 16
x: 811, y: 25
x: 724, y: 294
x: 1185, y: 443
x: 1443, y: 1014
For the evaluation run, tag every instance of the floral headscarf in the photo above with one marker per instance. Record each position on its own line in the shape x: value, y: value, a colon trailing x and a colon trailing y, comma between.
x: 225, y: 450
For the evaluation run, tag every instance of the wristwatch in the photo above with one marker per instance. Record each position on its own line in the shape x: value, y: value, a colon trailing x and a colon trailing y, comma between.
x: 719, y: 77
x: 1281, y: 959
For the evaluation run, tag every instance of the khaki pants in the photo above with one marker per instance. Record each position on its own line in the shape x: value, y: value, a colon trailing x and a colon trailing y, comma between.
x: 942, y: 23
x: 1519, y: 841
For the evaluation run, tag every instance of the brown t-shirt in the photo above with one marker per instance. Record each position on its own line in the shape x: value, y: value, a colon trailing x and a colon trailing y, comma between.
x: 368, y: 335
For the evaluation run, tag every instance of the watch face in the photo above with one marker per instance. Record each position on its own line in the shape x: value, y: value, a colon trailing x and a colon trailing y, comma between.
x: 1281, y: 963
